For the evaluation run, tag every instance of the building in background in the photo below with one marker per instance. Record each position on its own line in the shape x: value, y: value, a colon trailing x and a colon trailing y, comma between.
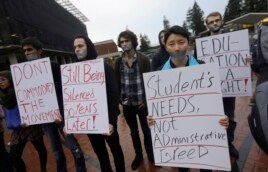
x: 54, y: 23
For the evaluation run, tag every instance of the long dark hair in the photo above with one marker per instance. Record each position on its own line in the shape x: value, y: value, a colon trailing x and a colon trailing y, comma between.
x: 129, y: 35
x: 91, y: 50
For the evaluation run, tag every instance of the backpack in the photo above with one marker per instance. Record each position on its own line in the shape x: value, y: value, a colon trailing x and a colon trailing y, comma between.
x: 258, y: 118
x: 261, y: 58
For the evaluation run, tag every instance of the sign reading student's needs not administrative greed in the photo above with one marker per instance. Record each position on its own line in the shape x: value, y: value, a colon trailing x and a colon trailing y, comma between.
x: 35, y: 91
x: 229, y: 51
x: 84, y: 97
x: 186, y: 104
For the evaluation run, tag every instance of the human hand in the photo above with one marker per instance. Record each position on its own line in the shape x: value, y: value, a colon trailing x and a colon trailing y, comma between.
x: 249, y: 59
x: 224, y: 121
x: 150, y: 121
x: 111, y: 130
x: 24, y: 125
x: 58, y: 118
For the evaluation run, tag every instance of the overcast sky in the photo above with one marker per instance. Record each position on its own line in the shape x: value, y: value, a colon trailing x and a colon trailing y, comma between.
x: 109, y: 17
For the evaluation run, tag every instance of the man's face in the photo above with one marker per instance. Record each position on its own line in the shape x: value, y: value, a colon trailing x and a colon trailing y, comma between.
x: 30, y: 52
x: 214, y: 23
x: 176, y: 44
x: 125, y: 44
x: 80, y: 48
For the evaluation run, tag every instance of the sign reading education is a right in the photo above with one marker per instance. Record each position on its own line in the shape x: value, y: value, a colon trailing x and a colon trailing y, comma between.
x: 229, y: 51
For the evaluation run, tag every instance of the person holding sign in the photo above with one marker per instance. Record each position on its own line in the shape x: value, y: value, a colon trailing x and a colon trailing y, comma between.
x: 85, y: 50
x: 177, y: 43
x: 214, y: 23
x: 20, y: 134
x: 129, y: 69
x: 32, y: 49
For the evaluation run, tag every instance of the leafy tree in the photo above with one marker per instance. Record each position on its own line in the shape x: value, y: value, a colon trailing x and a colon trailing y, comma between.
x: 145, y: 43
x: 184, y: 25
x: 233, y: 10
x: 195, y: 19
x: 237, y: 8
x: 166, y: 23
x: 255, y: 6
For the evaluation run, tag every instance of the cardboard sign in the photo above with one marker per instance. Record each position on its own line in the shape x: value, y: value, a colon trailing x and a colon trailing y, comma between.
x: 229, y: 51
x: 186, y: 104
x: 84, y: 97
x: 35, y: 91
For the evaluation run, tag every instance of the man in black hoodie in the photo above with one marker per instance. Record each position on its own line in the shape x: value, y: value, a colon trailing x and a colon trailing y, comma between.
x: 85, y: 50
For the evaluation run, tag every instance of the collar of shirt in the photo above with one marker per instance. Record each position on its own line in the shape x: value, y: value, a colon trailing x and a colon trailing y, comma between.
x: 124, y: 59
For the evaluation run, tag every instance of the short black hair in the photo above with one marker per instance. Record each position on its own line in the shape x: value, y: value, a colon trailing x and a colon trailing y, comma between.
x: 178, y: 30
x: 129, y: 35
x: 33, y: 42
x: 91, y: 50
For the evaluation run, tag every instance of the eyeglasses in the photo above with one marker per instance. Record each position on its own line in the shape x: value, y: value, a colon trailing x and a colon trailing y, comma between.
x: 214, y: 21
x: 27, y: 49
x: 122, y: 41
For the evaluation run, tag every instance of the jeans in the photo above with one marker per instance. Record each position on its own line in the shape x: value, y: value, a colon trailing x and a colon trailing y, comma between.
x: 77, y: 153
x: 53, y: 131
x: 130, y: 113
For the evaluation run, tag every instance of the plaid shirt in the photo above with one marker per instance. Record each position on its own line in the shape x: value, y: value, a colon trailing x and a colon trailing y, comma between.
x: 131, y: 83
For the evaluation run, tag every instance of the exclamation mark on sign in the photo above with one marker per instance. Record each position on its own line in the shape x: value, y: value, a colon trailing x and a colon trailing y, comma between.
x: 246, y: 82
x: 94, y: 117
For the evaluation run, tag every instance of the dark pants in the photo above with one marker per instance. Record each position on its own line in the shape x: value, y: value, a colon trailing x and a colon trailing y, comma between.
x: 130, y: 113
x: 53, y: 132
x: 187, y: 169
x: 16, y: 150
x: 98, y: 144
x: 4, y: 163
x: 229, y: 108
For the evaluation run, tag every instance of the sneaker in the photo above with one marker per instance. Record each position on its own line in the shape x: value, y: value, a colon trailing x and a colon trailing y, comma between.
x: 136, y: 163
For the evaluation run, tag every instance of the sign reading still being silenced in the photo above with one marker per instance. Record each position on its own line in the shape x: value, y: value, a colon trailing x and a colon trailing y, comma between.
x: 84, y: 97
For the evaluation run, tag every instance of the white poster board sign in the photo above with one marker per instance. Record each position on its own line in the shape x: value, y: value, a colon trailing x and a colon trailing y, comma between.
x: 35, y: 91
x: 229, y: 51
x: 186, y: 104
x: 84, y: 97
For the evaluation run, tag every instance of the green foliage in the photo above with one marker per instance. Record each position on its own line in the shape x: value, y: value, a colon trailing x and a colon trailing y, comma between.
x: 166, y: 23
x: 237, y: 8
x: 144, y: 43
x: 195, y: 19
x: 233, y: 10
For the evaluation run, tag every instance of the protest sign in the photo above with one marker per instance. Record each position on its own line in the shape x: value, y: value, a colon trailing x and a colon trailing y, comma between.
x: 84, y: 97
x: 35, y: 91
x: 186, y: 104
x: 229, y: 51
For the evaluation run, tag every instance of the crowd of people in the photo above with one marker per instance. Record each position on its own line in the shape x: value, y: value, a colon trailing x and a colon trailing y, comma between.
x: 124, y: 87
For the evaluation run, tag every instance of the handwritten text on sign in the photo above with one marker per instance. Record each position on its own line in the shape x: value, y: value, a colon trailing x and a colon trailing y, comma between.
x: 84, y: 97
x: 186, y: 104
x: 229, y: 51
x: 35, y: 91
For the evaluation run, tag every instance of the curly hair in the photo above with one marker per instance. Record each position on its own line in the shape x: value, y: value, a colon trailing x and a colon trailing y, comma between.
x: 129, y: 35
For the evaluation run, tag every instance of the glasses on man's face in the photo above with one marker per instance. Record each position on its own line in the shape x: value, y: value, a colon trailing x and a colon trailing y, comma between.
x: 27, y: 49
x: 126, y: 41
x: 214, y: 21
